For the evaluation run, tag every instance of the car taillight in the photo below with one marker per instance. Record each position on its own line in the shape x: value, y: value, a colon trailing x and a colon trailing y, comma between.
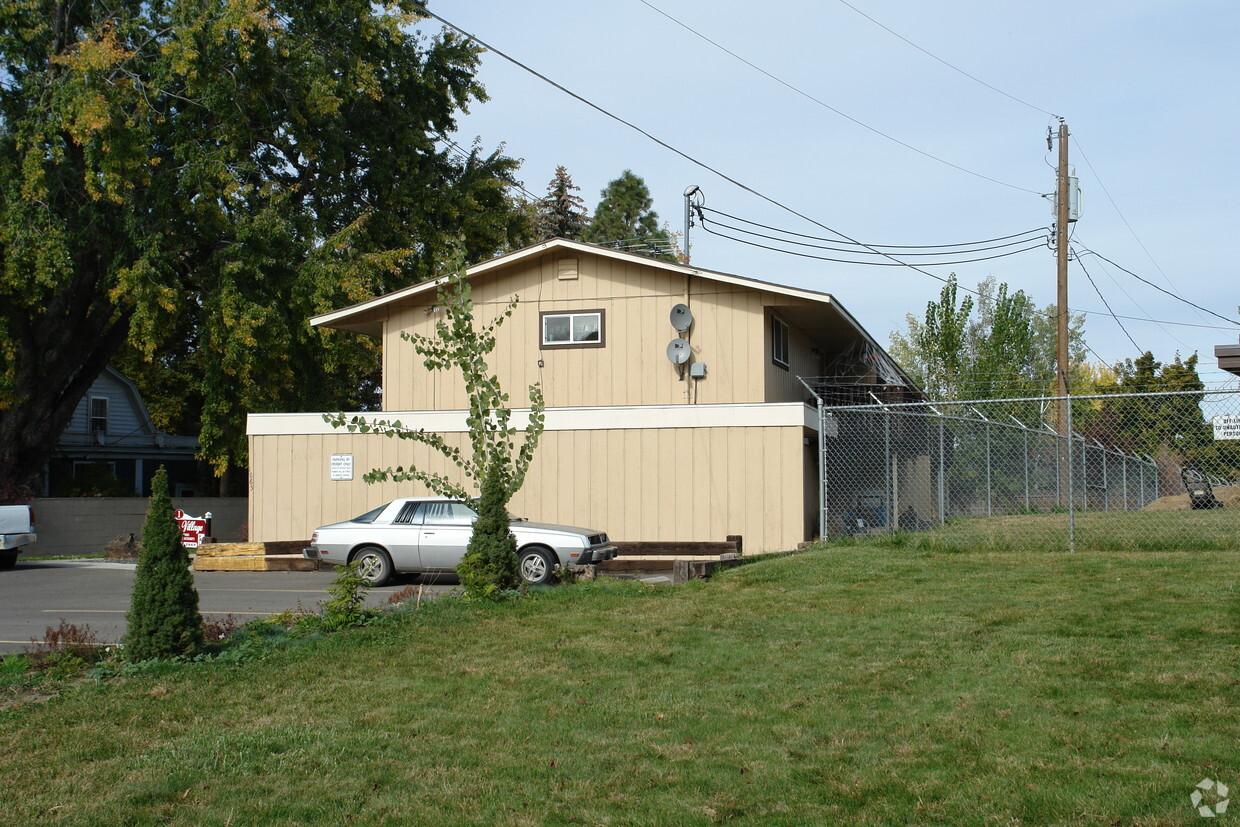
x: 31, y: 507
x: 314, y: 538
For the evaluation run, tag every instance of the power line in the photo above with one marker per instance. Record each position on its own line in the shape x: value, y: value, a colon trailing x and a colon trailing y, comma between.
x: 703, y: 165
x: 1107, y: 304
x: 1120, y: 213
x: 945, y: 63
x: 828, y: 106
x: 869, y: 248
x: 1143, y: 280
x: 895, y: 263
x: 873, y: 244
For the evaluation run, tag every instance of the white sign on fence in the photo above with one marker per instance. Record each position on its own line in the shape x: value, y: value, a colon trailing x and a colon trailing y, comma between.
x: 1226, y: 427
x: 342, y: 467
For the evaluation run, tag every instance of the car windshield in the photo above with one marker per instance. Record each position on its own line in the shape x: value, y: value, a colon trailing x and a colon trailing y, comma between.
x: 369, y: 516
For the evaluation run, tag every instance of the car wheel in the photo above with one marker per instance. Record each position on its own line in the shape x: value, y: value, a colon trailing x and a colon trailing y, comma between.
x: 8, y: 559
x: 374, y: 565
x: 536, y: 566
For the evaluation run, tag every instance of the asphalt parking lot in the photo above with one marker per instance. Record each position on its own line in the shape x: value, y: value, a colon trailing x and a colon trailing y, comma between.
x: 37, y: 594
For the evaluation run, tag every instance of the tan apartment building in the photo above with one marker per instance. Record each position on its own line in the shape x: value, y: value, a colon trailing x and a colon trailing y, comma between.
x: 648, y: 449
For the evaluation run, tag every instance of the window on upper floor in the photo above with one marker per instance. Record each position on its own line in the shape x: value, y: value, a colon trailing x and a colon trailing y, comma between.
x: 98, y: 414
x: 779, y: 342
x: 579, y: 329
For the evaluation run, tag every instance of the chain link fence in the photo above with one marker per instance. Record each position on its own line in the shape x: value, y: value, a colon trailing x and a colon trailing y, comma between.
x: 1101, y: 468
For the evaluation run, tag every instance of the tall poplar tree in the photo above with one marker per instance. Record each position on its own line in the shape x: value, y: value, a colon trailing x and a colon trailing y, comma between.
x: 184, y: 182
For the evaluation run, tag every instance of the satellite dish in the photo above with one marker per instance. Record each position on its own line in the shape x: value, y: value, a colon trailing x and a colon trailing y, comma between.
x: 678, y: 351
x: 682, y: 317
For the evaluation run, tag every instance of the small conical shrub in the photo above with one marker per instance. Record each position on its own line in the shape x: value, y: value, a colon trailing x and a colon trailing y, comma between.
x: 163, y: 610
x: 490, y: 562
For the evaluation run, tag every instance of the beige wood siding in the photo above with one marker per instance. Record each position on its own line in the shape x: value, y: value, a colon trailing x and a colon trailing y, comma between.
x: 782, y: 384
x: 692, y: 484
x: 729, y: 335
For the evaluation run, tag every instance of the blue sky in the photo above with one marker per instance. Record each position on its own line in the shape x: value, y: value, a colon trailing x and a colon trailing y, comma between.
x: 1147, y: 88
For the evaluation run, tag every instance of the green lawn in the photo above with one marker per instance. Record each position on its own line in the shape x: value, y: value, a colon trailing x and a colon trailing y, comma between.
x: 861, y: 685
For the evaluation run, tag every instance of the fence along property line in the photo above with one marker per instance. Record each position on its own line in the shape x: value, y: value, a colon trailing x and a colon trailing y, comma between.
x: 910, y: 465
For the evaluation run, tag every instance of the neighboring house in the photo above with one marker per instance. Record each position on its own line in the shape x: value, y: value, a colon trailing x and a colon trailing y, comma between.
x: 111, y: 447
x: 723, y: 444
x: 1228, y: 358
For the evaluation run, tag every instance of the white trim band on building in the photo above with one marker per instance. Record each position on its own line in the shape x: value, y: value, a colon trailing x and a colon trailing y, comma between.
x: 741, y: 415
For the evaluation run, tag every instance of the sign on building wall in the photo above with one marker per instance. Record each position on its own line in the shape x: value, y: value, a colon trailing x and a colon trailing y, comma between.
x: 1227, y: 427
x: 341, y: 467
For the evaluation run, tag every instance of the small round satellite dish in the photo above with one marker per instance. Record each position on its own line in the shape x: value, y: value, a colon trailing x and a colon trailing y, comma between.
x: 682, y: 317
x: 678, y: 351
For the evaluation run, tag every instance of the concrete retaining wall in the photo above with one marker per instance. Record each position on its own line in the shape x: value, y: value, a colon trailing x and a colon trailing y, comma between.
x: 84, y: 525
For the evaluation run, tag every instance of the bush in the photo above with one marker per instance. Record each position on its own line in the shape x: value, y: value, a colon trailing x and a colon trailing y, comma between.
x: 164, y: 621
x: 489, y: 567
x: 348, y: 592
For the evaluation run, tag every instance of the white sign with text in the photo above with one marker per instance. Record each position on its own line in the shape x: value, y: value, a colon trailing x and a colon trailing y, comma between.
x: 342, y: 467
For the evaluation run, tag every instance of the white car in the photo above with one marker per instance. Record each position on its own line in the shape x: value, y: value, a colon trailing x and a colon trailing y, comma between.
x: 430, y: 534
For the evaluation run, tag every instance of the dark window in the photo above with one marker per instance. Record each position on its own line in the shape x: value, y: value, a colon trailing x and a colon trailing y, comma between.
x: 409, y: 514
x: 369, y: 516
x: 779, y: 342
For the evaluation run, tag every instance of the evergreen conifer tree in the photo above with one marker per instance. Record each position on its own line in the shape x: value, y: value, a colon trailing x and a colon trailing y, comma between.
x: 163, y: 612
x: 490, y: 562
x: 624, y: 219
x: 561, y: 214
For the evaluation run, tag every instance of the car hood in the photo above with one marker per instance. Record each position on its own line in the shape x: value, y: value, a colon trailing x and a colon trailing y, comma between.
x: 564, y: 529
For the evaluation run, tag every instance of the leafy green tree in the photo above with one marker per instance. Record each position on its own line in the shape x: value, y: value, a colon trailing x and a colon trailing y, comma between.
x: 1157, y: 411
x: 163, y: 618
x: 624, y: 219
x: 183, y: 183
x: 993, y: 346
x: 561, y: 213
x: 494, y: 463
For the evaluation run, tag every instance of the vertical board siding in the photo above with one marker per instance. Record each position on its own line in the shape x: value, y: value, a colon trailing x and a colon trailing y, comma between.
x: 728, y: 334
x: 649, y: 484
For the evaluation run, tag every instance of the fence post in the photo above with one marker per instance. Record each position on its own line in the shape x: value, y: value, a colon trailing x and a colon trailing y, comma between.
x: 887, y: 465
x: 1071, y: 493
x: 989, y: 486
x: 1025, y: 431
x: 1124, y: 470
x: 1106, y: 486
x: 822, y: 470
x: 942, y: 476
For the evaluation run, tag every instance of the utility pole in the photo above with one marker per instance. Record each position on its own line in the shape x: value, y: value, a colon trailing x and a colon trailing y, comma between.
x: 1061, y: 344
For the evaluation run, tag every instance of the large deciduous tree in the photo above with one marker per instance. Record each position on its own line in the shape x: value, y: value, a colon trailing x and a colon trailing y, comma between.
x: 182, y: 184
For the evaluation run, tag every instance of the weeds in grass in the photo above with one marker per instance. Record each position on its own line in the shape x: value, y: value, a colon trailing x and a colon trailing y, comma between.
x: 216, y: 629
x: 67, y: 639
x: 348, y: 597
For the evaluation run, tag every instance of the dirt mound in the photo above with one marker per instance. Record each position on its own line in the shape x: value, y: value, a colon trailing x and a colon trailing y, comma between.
x: 1228, y: 495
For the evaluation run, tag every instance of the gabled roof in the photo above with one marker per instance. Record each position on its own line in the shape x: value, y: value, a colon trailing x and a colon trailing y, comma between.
x: 348, y: 318
x: 820, y: 323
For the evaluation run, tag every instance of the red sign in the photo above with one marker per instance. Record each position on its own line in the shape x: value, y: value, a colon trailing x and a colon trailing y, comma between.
x: 193, y: 529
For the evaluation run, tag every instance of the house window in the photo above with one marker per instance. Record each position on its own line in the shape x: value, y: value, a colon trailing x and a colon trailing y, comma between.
x: 779, y: 342
x: 98, y: 414
x: 582, y: 329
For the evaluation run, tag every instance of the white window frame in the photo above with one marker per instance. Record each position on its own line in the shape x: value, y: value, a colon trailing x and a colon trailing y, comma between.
x: 780, y: 342
x: 91, y: 418
x: 572, y: 317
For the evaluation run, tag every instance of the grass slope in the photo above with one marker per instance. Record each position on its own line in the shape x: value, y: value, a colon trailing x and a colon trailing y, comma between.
x: 863, y: 685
